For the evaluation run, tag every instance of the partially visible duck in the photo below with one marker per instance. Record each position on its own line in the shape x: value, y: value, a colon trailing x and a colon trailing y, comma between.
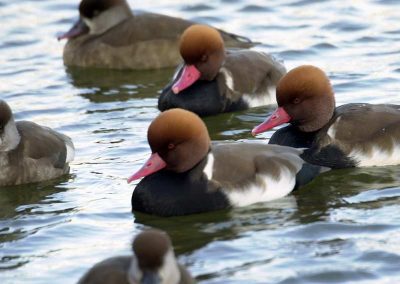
x: 351, y: 135
x: 186, y: 175
x: 214, y: 80
x: 153, y: 261
x: 109, y: 35
x: 30, y: 152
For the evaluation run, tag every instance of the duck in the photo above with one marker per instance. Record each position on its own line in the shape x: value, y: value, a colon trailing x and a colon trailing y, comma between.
x: 350, y: 135
x: 30, y: 152
x: 109, y: 35
x: 186, y: 174
x: 153, y: 261
x: 214, y: 79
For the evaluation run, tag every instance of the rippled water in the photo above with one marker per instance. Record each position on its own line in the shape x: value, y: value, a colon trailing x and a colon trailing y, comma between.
x: 343, y: 227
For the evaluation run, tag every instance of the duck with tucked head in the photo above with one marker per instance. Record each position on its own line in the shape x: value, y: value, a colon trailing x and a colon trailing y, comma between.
x: 153, y: 262
x: 109, y: 35
x: 351, y: 135
x: 186, y: 175
x: 30, y: 152
x: 213, y: 80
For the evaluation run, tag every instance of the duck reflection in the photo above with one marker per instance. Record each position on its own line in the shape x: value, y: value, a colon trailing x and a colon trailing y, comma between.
x: 312, y: 203
x: 105, y: 85
x: 192, y: 232
x: 235, y: 125
x: 22, y: 210
x: 332, y: 190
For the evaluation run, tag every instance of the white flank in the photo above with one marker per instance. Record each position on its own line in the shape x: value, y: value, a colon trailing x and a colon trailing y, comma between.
x: 70, y: 151
x: 134, y: 273
x: 270, y: 189
x: 332, y: 130
x: 208, y: 169
x: 228, y: 78
x: 378, y: 157
x: 252, y: 100
x: 262, y: 99
x: 169, y: 271
x: 11, y: 137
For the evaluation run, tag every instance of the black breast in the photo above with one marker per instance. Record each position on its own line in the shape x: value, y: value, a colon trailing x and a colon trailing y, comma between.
x: 203, y: 98
x: 292, y: 137
x: 166, y: 193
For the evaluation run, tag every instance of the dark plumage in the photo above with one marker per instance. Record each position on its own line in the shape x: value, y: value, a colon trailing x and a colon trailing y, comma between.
x: 213, y: 80
x: 186, y: 174
x: 350, y: 135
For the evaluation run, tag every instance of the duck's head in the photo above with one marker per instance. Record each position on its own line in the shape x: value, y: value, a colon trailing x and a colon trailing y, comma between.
x: 305, y: 98
x: 9, y: 136
x: 154, y: 259
x: 98, y: 16
x: 202, y: 49
x: 178, y: 140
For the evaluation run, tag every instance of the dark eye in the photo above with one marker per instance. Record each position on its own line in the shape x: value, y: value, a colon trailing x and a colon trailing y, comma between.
x: 204, y: 58
x: 296, y: 101
x: 96, y: 13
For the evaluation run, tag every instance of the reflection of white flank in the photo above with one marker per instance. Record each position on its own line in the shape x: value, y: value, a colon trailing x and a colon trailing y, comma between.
x: 333, y: 129
x: 208, y: 169
x: 268, y: 190
x: 228, y: 78
x: 377, y: 157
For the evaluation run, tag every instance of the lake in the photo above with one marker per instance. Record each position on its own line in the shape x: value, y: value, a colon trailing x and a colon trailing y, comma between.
x: 344, y: 227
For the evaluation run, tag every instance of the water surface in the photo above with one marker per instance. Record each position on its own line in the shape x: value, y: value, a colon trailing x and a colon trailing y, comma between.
x: 343, y: 227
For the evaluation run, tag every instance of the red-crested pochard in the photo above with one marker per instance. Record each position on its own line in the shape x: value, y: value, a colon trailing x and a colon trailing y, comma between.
x: 213, y: 79
x: 30, y: 152
x: 109, y: 35
x: 351, y: 135
x: 186, y: 174
x: 153, y: 262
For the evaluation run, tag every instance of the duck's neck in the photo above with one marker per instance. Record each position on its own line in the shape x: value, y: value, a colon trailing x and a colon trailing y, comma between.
x: 319, y: 117
x: 170, y: 269
x: 108, y: 19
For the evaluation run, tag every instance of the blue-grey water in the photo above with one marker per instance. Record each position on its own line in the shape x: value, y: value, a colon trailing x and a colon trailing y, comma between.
x: 342, y: 228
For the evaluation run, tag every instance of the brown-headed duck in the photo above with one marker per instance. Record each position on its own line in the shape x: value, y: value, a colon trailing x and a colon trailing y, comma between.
x: 186, y: 174
x: 351, y: 135
x: 213, y: 79
x: 153, y: 262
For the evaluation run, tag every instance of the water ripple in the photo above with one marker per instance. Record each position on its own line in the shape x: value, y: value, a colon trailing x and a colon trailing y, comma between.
x: 342, y: 227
